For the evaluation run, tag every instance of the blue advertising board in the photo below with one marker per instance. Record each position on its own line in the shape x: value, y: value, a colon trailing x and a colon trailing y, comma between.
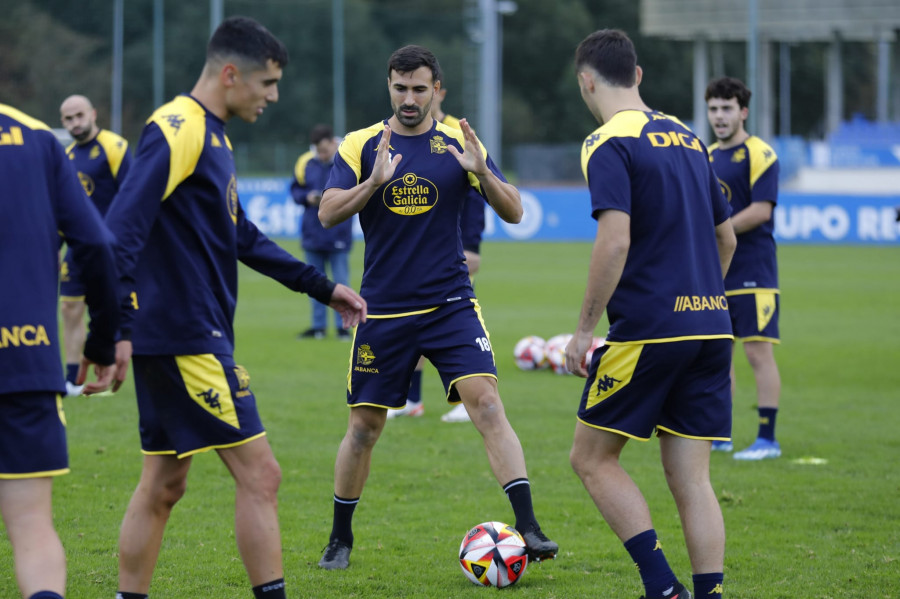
x: 563, y: 214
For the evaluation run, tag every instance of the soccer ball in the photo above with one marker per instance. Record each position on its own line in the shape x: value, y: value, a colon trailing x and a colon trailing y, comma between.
x: 493, y: 554
x: 556, y: 352
x: 597, y: 344
x: 529, y: 353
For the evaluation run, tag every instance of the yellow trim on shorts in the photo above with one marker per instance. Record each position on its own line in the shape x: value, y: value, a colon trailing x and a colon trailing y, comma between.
x: 43, y: 474
x: 670, y: 339
x: 188, y: 454
x: 401, y: 314
x: 71, y: 298
x: 468, y: 376
x: 613, y: 430
x: 771, y: 340
x: 683, y: 436
x: 751, y: 291
x: 163, y: 452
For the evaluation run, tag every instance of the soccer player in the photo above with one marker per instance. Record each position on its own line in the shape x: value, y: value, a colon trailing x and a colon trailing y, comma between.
x: 322, y: 247
x: 407, y: 177
x: 471, y: 226
x: 180, y: 231
x: 664, y: 240
x: 102, y: 159
x: 747, y: 168
x: 40, y: 199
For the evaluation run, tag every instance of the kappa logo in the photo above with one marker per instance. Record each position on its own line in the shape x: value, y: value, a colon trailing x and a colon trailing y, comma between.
x: 606, y: 383
x: 717, y: 590
x: 740, y: 155
x: 95, y: 153
x: 438, y: 145
x: 590, y: 141
x: 211, y: 398
x: 175, y: 121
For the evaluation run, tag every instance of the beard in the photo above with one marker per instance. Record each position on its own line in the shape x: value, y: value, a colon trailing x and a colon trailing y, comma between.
x: 414, y: 120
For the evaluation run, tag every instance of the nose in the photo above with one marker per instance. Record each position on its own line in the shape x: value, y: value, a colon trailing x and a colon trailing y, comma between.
x: 409, y: 99
x: 273, y: 94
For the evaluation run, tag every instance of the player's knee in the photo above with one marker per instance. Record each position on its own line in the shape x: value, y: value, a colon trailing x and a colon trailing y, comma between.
x: 168, y: 494
x: 267, y: 478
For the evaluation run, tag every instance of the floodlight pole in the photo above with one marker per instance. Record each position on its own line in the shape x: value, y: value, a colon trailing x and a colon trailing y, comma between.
x: 337, y: 61
x: 752, y: 55
x: 216, y: 14
x: 118, y: 37
x: 159, y: 63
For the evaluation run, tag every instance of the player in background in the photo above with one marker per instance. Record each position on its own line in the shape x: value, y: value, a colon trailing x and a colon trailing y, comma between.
x: 180, y: 232
x: 407, y: 177
x: 664, y: 240
x: 322, y: 247
x: 102, y: 159
x: 747, y: 168
x: 40, y: 200
x: 471, y: 226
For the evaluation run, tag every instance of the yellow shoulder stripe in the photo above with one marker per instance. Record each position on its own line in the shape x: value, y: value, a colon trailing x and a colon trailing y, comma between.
x: 115, y: 147
x: 351, y: 148
x: 628, y: 123
x: 183, y: 123
x: 24, y: 119
x: 762, y: 156
x: 300, y: 167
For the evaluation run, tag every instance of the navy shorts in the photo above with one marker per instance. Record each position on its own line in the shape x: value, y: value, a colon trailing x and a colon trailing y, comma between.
x: 70, y: 285
x: 386, y: 348
x: 190, y: 404
x: 754, y: 314
x: 680, y: 387
x: 32, y: 435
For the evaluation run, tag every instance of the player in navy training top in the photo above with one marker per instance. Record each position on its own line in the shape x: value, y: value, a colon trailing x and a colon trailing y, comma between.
x: 407, y: 177
x: 747, y: 168
x: 323, y: 248
x: 42, y: 202
x: 101, y: 159
x: 180, y: 231
x: 664, y: 240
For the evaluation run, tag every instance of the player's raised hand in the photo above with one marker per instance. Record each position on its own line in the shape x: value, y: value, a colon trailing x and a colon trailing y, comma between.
x: 385, y: 164
x: 472, y: 158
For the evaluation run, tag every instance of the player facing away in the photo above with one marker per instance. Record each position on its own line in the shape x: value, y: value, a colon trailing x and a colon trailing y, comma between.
x: 747, y: 168
x: 180, y: 231
x: 471, y: 227
x: 101, y: 159
x: 663, y: 241
x: 407, y: 177
x: 41, y: 199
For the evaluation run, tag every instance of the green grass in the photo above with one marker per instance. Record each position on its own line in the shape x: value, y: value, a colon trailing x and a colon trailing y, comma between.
x: 830, y: 531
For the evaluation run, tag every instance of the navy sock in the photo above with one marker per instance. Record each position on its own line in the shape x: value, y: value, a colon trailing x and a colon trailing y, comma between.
x: 71, y: 372
x: 46, y: 595
x: 767, y: 423
x: 270, y: 590
x: 415, y: 387
x: 646, y: 551
x: 519, y: 493
x: 708, y: 584
x: 123, y: 595
x: 341, y: 528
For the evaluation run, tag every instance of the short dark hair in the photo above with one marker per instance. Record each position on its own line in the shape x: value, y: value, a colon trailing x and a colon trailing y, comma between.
x: 319, y: 133
x: 727, y: 88
x: 409, y: 58
x: 611, y: 53
x: 245, y: 39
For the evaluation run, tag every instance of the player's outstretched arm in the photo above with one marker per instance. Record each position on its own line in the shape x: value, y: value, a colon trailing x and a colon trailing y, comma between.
x: 502, y: 196
x: 337, y: 205
x: 349, y: 304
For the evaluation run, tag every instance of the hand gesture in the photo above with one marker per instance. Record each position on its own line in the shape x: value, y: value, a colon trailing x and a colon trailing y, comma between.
x: 472, y: 159
x: 112, y: 374
x: 576, y: 353
x: 349, y: 304
x: 384, y: 166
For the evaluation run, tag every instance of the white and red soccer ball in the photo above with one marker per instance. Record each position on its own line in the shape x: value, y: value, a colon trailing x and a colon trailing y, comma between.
x: 556, y: 352
x: 529, y: 353
x: 493, y: 554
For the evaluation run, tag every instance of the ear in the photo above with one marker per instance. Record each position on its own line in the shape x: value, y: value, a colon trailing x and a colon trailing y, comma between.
x: 638, y: 75
x: 229, y: 74
x: 586, y: 80
x: 745, y: 112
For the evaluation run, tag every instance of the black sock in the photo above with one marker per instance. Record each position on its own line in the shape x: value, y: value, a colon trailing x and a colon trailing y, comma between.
x: 708, y: 584
x: 415, y: 387
x: 341, y: 528
x: 72, y: 372
x: 270, y: 590
x: 46, y: 595
x: 519, y: 493
x: 124, y: 595
x: 767, y: 423
x: 646, y: 551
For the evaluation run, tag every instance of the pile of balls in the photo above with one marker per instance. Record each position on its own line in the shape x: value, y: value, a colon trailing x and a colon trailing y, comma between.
x: 533, y: 353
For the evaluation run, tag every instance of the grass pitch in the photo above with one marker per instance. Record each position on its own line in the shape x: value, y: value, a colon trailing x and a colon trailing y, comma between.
x: 821, y: 522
